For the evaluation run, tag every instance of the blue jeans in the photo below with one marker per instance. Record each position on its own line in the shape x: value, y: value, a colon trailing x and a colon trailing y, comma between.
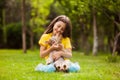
x: 74, y: 67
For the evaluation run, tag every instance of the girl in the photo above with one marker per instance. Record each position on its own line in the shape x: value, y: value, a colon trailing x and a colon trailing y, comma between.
x: 60, y: 25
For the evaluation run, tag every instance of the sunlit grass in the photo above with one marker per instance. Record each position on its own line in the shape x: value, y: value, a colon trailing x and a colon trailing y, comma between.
x: 15, y: 65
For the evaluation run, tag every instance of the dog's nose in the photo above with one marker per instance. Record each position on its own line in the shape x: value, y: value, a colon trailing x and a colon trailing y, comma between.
x: 62, y: 69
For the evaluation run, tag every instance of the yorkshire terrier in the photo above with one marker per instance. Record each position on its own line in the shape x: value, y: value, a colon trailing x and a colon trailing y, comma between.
x: 53, y: 40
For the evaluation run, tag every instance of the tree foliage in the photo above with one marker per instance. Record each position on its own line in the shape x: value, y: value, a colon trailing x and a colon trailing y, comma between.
x: 39, y: 13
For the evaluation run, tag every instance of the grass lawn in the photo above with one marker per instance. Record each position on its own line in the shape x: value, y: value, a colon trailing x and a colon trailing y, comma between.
x: 14, y: 65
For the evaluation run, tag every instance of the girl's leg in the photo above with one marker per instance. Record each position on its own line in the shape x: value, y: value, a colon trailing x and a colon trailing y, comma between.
x: 74, y: 67
x: 45, y: 68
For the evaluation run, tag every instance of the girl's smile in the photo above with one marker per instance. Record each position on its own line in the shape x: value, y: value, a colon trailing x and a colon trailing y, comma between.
x: 59, y: 27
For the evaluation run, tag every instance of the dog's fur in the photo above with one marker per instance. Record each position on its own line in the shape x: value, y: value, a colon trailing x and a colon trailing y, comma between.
x: 54, y: 39
x: 60, y: 64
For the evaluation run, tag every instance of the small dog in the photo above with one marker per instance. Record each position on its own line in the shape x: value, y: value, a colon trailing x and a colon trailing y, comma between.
x: 61, y: 65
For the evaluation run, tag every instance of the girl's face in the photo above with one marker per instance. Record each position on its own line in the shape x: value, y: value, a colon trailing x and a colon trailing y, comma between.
x: 59, y: 27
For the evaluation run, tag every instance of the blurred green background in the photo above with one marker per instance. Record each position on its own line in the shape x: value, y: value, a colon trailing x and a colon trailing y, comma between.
x: 95, y: 22
x: 95, y: 31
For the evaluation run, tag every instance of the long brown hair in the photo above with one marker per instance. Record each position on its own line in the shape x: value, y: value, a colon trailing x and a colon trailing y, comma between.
x: 68, y: 30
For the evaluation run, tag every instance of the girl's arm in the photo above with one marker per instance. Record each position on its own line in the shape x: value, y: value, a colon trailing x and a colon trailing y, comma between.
x: 44, y: 51
x: 67, y: 53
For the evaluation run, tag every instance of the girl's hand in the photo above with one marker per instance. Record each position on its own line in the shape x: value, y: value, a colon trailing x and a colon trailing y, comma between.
x: 61, y: 47
x: 56, y: 47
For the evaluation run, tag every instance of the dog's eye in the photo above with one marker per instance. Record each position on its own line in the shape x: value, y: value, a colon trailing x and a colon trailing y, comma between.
x: 58, y: 67
x: 64, y: 66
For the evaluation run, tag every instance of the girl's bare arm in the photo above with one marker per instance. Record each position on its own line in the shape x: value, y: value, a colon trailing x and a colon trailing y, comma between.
x: 44, y: 52
x: 67, y: 53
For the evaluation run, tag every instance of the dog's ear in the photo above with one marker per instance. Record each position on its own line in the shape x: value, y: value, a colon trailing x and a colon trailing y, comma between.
x: 66, y: 71
x: 55, y: 65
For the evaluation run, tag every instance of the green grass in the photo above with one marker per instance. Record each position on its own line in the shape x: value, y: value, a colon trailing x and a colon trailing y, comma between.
x: 14, y: 65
